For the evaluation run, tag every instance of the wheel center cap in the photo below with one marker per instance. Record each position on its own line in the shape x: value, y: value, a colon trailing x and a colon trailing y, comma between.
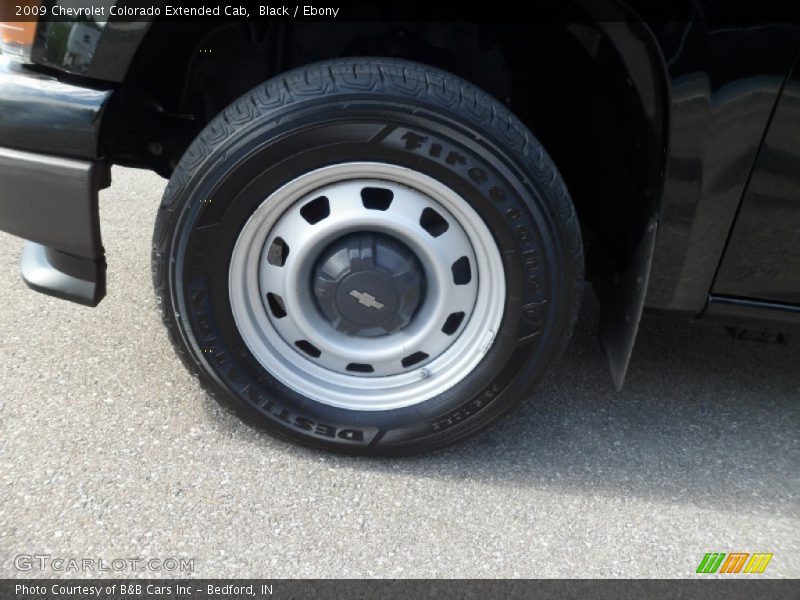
x: 367, y: 298
x: 368, y: 284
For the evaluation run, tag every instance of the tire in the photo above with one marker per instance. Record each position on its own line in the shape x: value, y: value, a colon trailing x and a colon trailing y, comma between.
x: 444, y: 156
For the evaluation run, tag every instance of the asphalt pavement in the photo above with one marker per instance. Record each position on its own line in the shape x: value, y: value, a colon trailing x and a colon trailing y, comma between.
x: 110, y: 450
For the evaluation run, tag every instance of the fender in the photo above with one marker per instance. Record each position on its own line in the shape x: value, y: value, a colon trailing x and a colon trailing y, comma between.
x: 108, y: 56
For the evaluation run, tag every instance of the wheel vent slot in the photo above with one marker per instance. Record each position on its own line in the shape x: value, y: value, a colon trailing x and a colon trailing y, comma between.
x: 462, y: 273
x: 413, y: 359
x: 278, y: 252
x: 276, y: 305
x: 308, y: 348
x: 453, y: 323
x: 432, y: 222
x: 316, y: 210
x: 376, y: 198
x: 360, y: 368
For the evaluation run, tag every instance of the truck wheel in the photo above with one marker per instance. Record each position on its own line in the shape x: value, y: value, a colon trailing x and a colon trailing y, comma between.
x: 367, y: 255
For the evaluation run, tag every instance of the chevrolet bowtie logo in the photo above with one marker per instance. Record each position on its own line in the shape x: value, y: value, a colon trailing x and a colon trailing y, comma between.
x: 366, y: 299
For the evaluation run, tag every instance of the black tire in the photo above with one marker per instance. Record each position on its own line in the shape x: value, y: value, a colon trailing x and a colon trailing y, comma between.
x: 325, y: 113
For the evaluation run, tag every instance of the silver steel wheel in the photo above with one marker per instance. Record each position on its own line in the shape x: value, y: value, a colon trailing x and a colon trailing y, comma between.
x: 328, y: 339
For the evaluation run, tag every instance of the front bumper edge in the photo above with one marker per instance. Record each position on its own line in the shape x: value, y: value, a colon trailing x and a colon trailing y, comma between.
x: 51, y: 172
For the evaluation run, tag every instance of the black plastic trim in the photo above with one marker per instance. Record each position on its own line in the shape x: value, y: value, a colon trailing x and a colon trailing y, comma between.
x: 52, y: 201
x: 64, y: 276
x: 745, y: 311
x: 619, y: 321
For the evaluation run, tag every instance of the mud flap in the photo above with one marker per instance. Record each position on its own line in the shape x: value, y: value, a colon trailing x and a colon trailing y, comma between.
x: 622, y: 304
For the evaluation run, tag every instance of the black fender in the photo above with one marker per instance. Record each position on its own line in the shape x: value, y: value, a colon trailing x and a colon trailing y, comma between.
x: 622, y: 293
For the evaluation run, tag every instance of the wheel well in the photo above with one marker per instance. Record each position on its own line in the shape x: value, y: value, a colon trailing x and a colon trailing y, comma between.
x: 591, y: 92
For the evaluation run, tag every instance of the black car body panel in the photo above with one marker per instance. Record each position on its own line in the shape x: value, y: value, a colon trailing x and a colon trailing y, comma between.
x: 725, y: 81
x: 41, y: 113
x: 762, y: 259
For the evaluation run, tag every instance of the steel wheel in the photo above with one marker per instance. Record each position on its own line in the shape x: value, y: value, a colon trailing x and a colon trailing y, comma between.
x: 367, y: 286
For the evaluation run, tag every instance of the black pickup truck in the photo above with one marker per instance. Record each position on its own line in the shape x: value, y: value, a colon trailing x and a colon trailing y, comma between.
x: 378, y: 221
